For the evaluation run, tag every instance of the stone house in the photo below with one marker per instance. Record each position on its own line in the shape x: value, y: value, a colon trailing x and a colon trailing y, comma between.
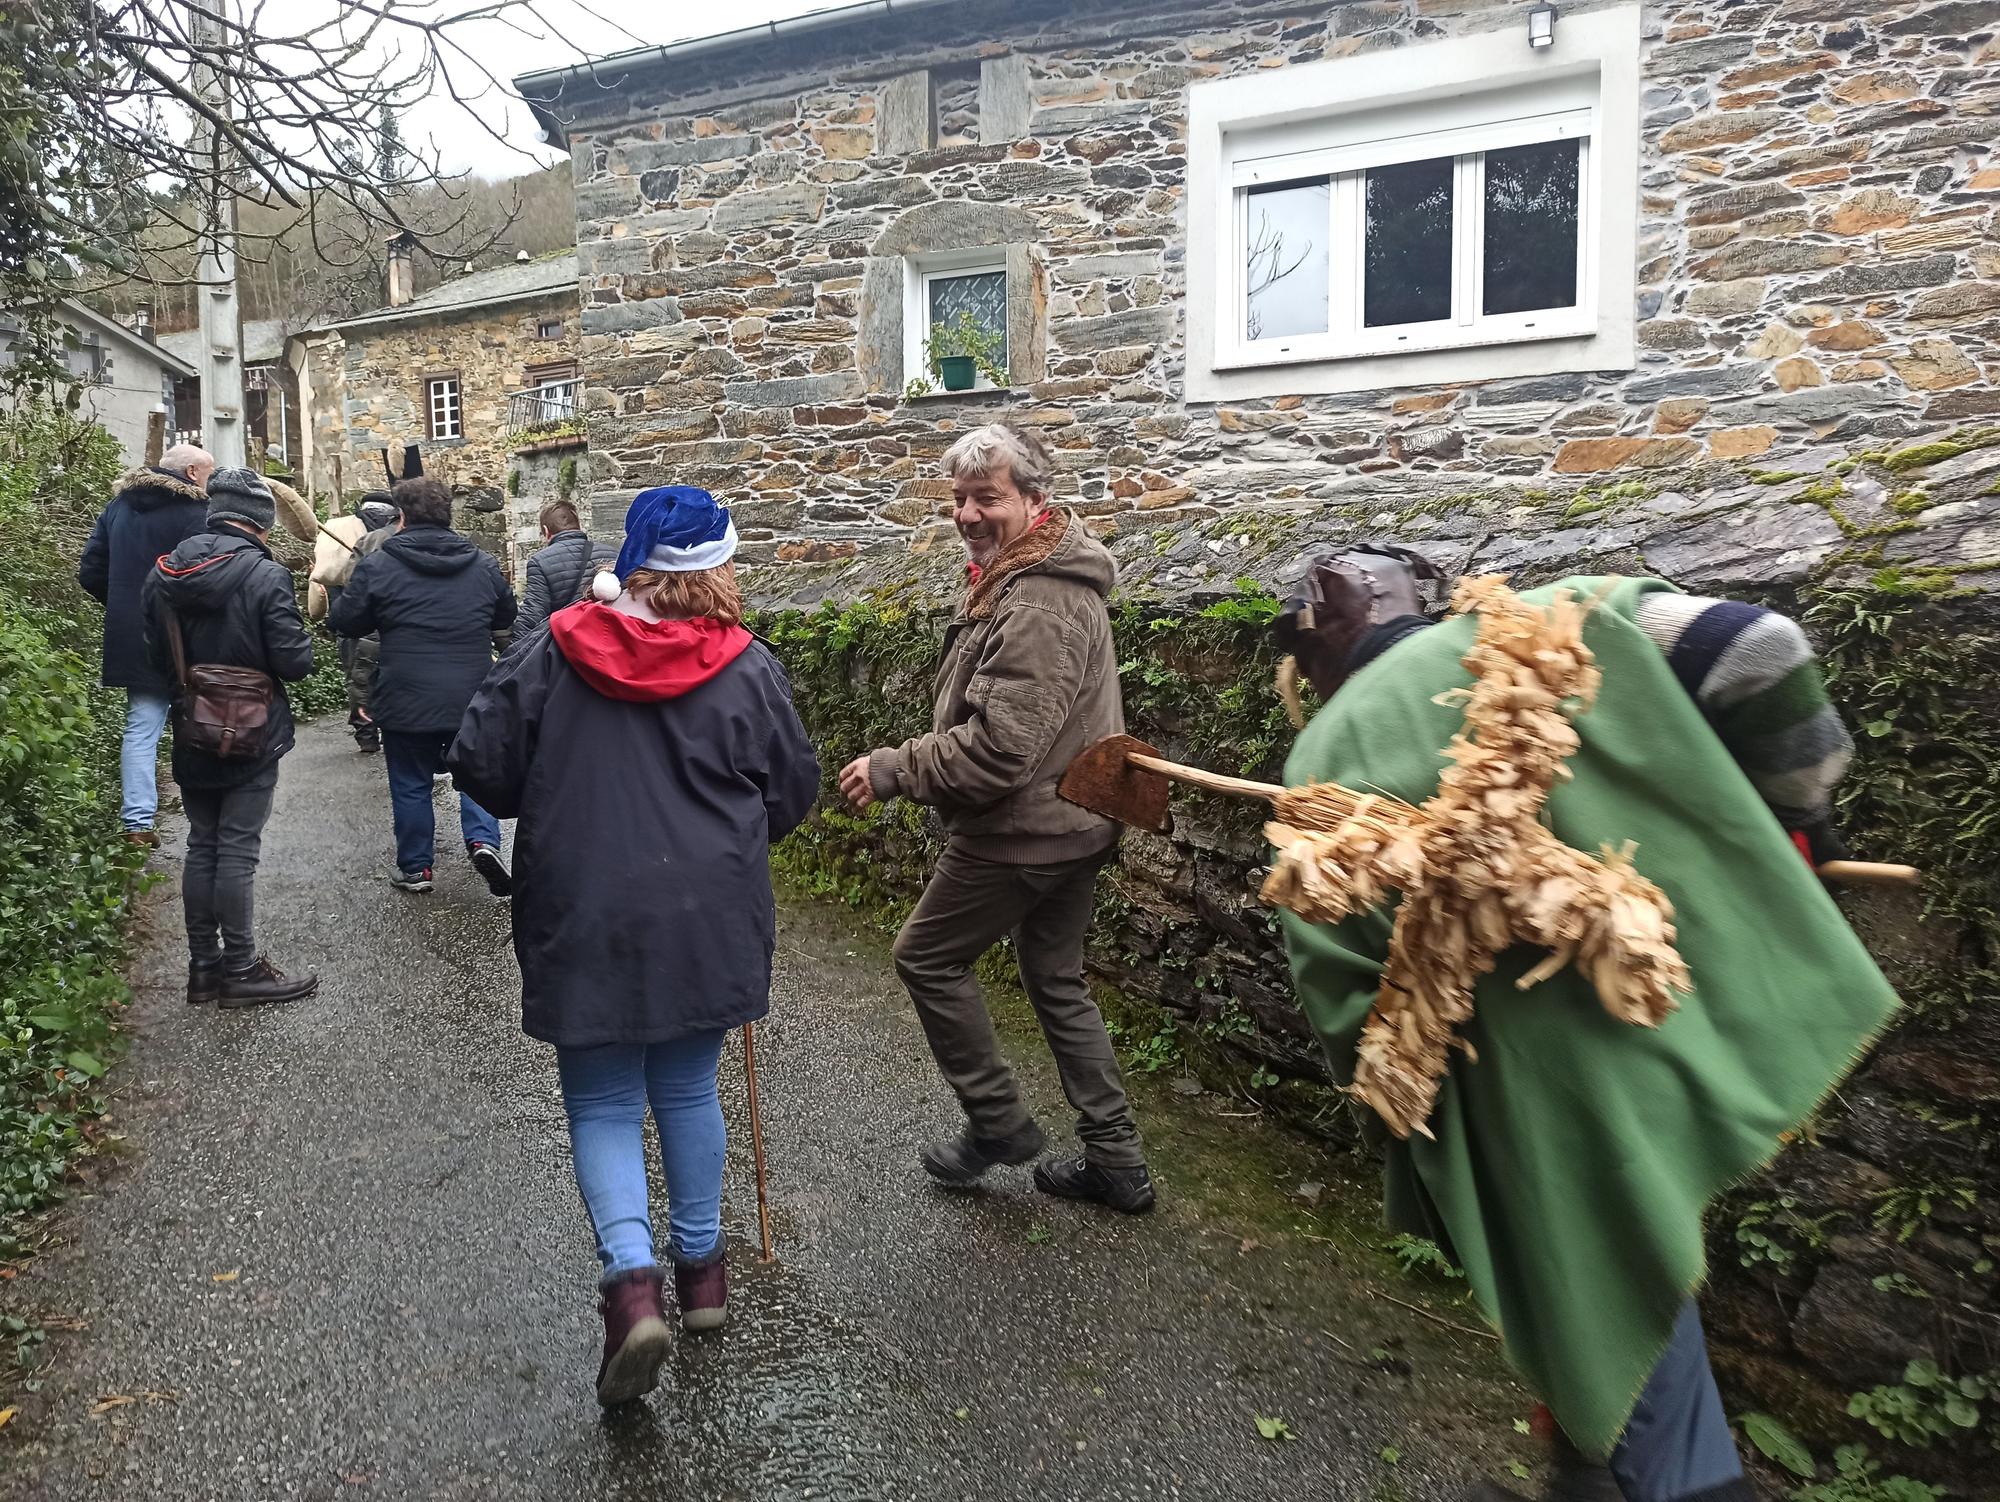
x: 270, y: 388
x: 124, y: 375
x: 458, y: 369
x: 1243, y: 253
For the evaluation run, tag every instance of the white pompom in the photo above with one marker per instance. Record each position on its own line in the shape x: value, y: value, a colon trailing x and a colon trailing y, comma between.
x: 606, y: 587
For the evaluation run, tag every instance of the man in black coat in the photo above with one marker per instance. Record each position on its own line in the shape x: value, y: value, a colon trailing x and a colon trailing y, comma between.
x: 557, y: 573
x: 436, y: 599
x: 234, y: 606
x: 153, y: 512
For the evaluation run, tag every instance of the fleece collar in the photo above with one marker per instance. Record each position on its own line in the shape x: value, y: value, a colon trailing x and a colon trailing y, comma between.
x: 164, y: 482
x: 640, y: 661
x: 1033, y: 546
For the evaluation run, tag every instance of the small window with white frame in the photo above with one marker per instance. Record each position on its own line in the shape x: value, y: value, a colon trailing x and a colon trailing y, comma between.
x: 944, y: 287
x: 1472, y: 201
x: 441, y: 403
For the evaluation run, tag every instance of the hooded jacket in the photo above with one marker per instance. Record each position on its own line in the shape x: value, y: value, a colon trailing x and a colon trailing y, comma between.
x: 650, y: 763
x: 237, y: 608
x: 436, y: 598
x: 1030, y: 677
x: 153, y: 512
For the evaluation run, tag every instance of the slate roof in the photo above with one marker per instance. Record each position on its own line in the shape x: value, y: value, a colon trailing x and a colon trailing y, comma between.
x: 263, y: 342
x: 513, y: 282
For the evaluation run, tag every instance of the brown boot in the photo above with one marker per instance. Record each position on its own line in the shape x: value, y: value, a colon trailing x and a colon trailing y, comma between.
x: 701, y: 1288
x: 635, y: 1336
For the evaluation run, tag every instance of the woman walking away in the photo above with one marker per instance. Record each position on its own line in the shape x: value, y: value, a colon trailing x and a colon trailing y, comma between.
x: 649, y: 748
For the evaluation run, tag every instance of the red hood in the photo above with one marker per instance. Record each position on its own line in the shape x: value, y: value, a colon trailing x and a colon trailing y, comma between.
x: 640, y: 661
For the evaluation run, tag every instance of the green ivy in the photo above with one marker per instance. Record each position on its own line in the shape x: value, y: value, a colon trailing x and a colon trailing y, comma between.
x: 67, y: 880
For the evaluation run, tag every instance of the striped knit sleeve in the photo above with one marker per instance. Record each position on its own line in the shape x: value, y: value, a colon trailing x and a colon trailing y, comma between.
x: 1753, y: 674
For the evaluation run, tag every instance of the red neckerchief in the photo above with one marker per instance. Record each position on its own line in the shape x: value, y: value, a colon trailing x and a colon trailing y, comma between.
x: 973, y: 570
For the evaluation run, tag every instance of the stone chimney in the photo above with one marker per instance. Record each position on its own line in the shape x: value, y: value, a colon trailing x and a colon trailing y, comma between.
x: 402, y: 268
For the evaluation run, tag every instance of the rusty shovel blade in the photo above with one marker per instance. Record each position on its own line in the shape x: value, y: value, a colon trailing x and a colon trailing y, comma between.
x: 1103, y: 780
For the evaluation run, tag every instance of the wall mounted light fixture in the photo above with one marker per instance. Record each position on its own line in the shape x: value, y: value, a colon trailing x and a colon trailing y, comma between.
x: 1542, y: 26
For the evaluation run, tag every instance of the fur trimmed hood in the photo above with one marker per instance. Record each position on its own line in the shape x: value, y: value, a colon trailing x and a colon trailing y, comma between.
x: 143, y: 489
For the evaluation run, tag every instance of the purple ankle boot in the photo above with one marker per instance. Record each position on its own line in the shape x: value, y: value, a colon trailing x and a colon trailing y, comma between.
x: 701, y: 1285
x: 635, y: 1335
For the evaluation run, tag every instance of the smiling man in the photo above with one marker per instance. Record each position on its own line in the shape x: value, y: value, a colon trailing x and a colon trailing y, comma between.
x: 1029, y: 678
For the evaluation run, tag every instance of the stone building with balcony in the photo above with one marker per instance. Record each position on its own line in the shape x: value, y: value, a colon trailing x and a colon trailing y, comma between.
x: 454, y: 370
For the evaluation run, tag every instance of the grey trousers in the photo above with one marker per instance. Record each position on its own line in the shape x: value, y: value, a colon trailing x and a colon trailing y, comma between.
x: 218, y: 883
x: 970, y: 905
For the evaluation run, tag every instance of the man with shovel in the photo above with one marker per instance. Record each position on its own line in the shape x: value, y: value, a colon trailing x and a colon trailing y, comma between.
x: 1029, y: 678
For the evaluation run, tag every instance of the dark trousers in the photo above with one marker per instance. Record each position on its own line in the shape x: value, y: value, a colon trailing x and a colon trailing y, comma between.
x: 970, y: 905
x: 1678, y: 1447
x: 415, y: 757
x: 218, y: 883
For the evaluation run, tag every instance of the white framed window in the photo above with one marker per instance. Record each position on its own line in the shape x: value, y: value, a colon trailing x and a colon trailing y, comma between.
x: 441, y: 403
x: 940, y: 285
x: 1464, y: 209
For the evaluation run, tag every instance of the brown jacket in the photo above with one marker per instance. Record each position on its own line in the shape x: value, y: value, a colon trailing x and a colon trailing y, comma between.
x: 1030, y: 677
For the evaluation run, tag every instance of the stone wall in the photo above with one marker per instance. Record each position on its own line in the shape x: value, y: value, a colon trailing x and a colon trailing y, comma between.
x: 1818, y: 258
x: 367, y: 388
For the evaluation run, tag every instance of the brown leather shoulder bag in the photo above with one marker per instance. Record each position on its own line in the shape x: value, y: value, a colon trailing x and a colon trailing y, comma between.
x: 223, y: 711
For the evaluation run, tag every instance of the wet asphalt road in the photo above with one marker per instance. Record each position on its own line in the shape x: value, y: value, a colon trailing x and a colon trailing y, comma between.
x: 344, y: 1258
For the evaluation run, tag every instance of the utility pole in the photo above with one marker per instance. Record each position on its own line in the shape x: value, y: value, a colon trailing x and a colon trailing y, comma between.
x: 221, y: 367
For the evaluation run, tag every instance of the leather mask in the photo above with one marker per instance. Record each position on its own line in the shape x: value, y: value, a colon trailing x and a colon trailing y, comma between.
x: 1344, y: 596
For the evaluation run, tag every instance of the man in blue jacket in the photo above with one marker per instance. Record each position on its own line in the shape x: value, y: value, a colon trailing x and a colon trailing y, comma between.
x: 153, y: 512
x: 437, y: 601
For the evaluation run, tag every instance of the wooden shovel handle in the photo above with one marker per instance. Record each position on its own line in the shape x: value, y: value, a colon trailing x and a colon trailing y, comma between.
x: 1850, y: 873
x: 1869, y: 874
x: 1214, y: 782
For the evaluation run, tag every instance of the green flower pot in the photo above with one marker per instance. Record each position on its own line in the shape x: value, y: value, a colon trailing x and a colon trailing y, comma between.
x: 957, y: 372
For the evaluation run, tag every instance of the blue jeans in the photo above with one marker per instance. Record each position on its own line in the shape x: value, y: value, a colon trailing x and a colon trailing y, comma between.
x: 606, y: 1091
x: 1678, y: 1445
x: 414, y: 758
x: 138, y: 758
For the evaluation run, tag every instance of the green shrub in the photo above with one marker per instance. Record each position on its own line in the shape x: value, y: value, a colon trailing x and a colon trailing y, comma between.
x: 67, y: 880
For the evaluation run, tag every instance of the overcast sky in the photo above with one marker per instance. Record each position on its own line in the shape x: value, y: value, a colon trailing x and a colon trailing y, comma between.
x: 567, y: 32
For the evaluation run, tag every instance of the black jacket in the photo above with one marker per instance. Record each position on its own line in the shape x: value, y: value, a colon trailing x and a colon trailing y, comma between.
x: 154, y: 512
x: 436, y: 599
x: 555, y: 575
x: 237, y: 608
x: 642, y: 887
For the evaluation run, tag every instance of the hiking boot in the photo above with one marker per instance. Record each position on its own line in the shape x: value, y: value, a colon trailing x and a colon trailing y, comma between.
x: 1126, y: 1190
x: 204, y: 983
x: 635, y: 1336
x: 412, y: 881
x: 263, y: 983
x: 962, y: 1159
x: 368, y: 741
x: 487, y: 862
x: 148, y: 838
x: 701, y: 1288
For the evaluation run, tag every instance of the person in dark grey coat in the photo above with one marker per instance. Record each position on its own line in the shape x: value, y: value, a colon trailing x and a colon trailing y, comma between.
x: 436, y: 599
x: 235, y: 606
x: 557, y: 573
x: 651, y: 752
x: 153, y: 512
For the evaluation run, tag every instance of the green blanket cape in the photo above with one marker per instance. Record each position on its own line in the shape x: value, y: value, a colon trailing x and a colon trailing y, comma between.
x: 1573, y: 1162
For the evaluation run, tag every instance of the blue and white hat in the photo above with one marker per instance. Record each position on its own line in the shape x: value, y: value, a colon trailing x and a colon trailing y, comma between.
x: 677, y: 530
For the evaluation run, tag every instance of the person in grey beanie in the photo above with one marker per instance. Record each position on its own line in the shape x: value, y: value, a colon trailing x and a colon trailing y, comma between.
x: 234, y: 606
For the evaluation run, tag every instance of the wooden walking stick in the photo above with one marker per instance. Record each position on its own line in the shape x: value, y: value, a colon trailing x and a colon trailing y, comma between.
x: 757, y: 1139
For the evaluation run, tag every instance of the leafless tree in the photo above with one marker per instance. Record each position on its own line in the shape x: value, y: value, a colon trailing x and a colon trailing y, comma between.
x: 1266, y: 266
x: 105, y: 98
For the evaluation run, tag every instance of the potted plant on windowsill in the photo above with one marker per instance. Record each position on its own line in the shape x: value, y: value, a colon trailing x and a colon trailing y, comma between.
x: 962, y: 350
